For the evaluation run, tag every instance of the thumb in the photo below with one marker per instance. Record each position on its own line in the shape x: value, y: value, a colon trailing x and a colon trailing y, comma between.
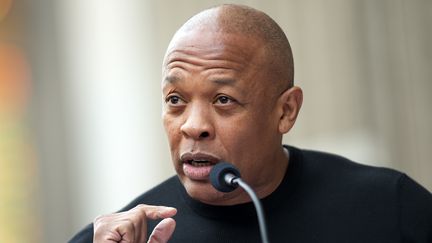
x: 163, y: 231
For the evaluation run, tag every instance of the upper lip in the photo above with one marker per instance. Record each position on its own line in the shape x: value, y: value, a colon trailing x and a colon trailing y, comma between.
x: 199, y: 156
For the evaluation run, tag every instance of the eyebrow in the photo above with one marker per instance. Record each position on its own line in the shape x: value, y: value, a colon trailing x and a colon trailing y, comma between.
x: 172, y: 79
x: 223, y: 81
x: 229, y: 81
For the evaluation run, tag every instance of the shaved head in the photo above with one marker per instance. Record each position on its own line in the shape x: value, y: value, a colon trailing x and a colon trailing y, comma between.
x: 227, y: 86
x: 254, y: 24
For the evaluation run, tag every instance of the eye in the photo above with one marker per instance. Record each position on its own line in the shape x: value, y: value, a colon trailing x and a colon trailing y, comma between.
x: 224, y: 100
x: 173, y: 100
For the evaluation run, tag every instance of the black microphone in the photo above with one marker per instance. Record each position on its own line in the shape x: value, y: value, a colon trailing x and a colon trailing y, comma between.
x: 221, y: 176
x: 225, y: 177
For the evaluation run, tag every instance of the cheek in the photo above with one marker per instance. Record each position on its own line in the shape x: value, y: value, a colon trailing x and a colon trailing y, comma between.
x: 249, y: 125
x: 247, y: 136
x: 172, y: 129
x: 174, y: 140
x: 236, y: 133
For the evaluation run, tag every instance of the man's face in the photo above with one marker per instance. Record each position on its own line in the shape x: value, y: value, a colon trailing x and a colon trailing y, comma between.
x: 219, y: 105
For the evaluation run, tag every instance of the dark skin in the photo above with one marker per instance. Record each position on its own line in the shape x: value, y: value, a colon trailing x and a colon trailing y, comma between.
x: 220, y: 103
x: 214, y: 83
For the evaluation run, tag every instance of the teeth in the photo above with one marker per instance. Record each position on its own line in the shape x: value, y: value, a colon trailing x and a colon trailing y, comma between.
x: 200, y: 163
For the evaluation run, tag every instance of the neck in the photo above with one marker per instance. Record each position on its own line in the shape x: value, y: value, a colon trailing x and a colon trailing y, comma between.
x: 276, y: 175
x: 263, y: 188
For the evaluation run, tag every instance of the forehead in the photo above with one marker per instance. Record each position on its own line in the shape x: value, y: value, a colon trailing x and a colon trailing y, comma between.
x: 224, y: 50
x: 217, y: 58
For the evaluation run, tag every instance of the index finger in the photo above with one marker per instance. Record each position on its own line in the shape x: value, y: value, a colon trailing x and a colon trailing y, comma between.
x: 156, y: 212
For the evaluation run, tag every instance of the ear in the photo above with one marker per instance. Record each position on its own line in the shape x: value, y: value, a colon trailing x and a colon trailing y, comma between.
x: 290, y: 103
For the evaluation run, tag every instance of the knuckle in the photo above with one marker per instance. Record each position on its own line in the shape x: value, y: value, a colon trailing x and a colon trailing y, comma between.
x: 100, y: 220
x: 126, y: 224
x: 122, y: 223
x: 140, y: 211
x: 129, y: 222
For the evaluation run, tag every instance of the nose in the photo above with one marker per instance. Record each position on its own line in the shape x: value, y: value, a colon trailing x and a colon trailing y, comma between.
x: 198, y: 124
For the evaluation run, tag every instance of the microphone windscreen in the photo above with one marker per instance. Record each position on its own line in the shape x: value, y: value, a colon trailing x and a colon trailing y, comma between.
x: 217, y: 176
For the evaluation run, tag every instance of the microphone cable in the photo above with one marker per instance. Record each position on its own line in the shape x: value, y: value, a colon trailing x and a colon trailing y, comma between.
x: 225, y: 177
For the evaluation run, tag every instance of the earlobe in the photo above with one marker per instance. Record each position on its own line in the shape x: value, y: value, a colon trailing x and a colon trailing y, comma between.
x: 290, y: 102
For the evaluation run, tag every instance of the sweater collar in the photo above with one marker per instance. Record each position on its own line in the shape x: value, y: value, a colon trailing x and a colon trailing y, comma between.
x: 246, y: 211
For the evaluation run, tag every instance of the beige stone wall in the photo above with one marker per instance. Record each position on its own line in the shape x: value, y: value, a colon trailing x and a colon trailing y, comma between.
x: 365, y: 68
x: 366, y: 71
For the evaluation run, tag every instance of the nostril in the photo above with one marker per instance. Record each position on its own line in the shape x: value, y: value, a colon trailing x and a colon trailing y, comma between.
x: 204, y: 134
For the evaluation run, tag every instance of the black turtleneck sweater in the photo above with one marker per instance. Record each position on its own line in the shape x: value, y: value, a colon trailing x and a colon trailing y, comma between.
x: 322, y: 198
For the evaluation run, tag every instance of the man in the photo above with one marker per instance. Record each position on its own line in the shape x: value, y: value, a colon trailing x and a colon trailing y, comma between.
x: 229, y: 95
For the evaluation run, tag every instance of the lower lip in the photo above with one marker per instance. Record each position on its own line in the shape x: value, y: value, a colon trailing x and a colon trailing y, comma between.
x: 195, y: 172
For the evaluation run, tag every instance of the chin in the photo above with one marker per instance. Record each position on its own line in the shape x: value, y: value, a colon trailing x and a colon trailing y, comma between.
x: 202, y: 191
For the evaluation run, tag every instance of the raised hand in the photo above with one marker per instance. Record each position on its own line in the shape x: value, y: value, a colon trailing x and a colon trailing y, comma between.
x: 131, y: 226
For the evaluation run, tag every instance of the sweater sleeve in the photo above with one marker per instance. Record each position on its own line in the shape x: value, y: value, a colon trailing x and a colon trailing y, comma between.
x: 84, y: 236
x: 415, y: 219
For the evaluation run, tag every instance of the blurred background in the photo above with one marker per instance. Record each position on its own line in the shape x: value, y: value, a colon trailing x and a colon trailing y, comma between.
x: 80, y: 101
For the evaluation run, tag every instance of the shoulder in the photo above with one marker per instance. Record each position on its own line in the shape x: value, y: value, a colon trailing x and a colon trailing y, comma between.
x: 333, y: 174
x: 379, y: 198
x: 415, y: 211
x: 384, y: 193
x: 336, y: 168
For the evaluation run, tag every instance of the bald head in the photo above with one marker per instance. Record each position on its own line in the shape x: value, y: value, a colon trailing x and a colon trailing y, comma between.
x: 254, y: 24
x: 227, y: 91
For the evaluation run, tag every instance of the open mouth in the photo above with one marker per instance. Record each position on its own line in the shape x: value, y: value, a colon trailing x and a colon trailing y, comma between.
x: 199, y: 159
x: 199, y: 163
x: 197, y: 166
